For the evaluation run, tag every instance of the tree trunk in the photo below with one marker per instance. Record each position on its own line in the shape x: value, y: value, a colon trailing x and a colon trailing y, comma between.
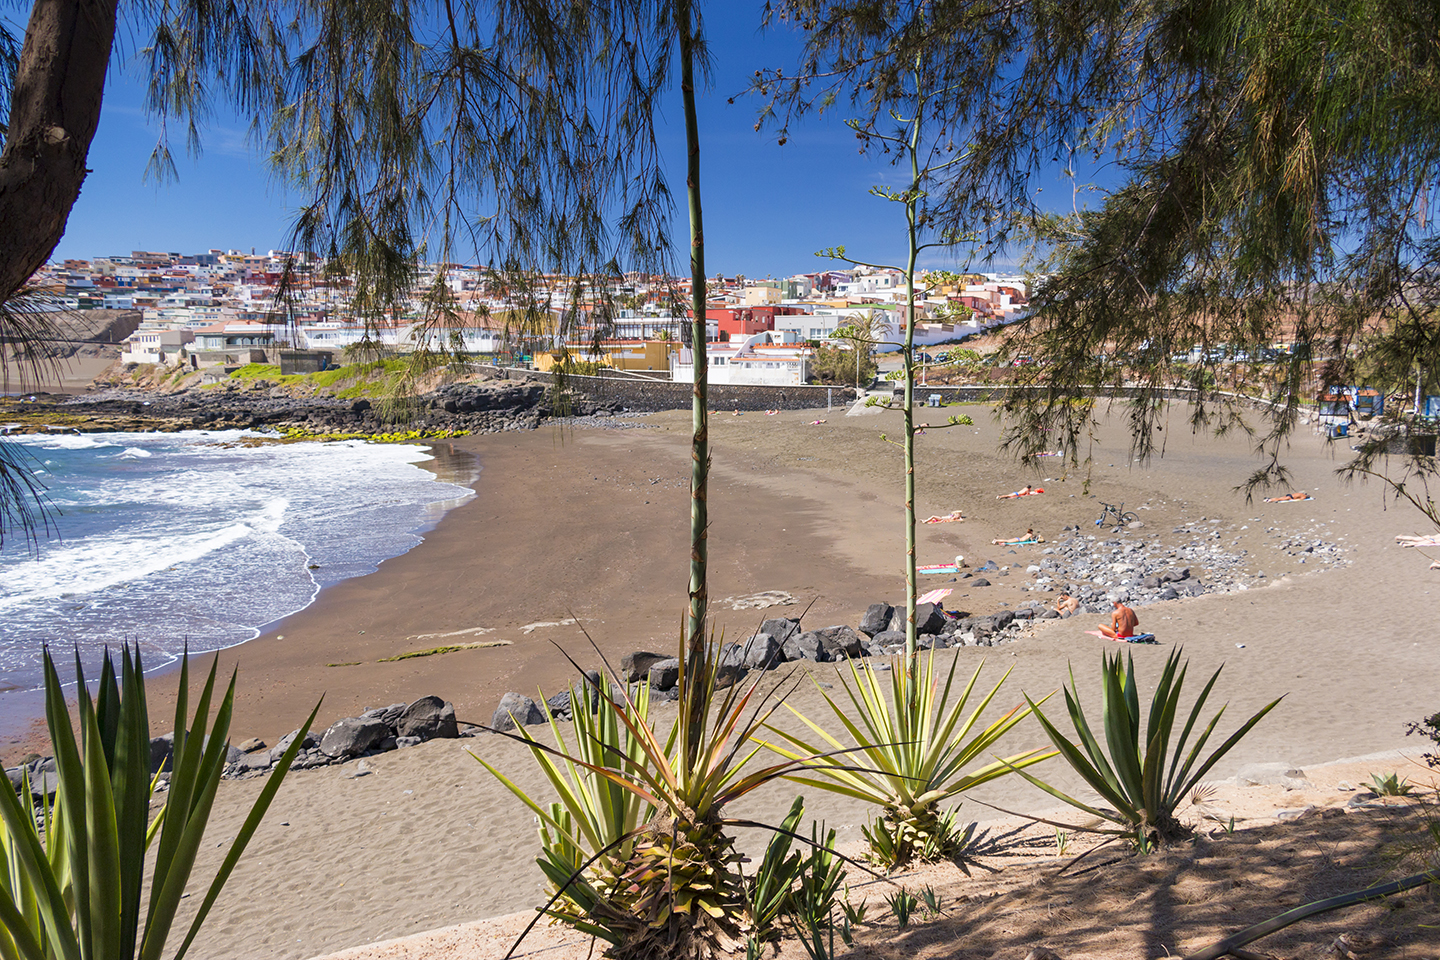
x: 700, y: 436
x: 54, y: 110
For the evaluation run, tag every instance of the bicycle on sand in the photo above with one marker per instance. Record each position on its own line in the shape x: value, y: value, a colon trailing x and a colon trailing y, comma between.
x: 1121, y: 515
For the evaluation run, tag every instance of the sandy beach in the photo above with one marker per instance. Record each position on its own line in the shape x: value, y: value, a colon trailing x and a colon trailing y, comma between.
x: 592, y: 525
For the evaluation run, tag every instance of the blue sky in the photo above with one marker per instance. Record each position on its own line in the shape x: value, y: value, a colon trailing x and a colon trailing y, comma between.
x: 768, y: 208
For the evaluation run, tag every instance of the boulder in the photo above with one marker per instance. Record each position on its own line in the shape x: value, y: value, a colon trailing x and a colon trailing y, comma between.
x: 763, y: 652
x: 514, y: 707
x: 1003, y: 618
x: 251, y: 745
x: 558, y: 706
x: 931, y: 641
x: 840, y: 642
x: 891, y: 639
x: 806, y: 646
x: 278, y: 751
x: 406, y: 742
x: 428, y: 718
x: 16, y: 775
x: 979, y: 582
x: 781, y: 628
x: 635, y: 667
x: 44, y: 784
x: 390, y: 715
x: 664, y: 674
x: 730, y: 666
x: 928, y: 618
x: 1168, y: 593
x: 162, y: 749
x: 876, y: 619
x: 251, y: 762
x: 352, y: 736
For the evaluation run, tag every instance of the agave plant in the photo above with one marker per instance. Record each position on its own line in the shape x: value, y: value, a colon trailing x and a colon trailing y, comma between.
x: 72, y: 884
x: 672, y: 885
x: 594, y: 814
x: 912, y: 752
x: 1134, y: 779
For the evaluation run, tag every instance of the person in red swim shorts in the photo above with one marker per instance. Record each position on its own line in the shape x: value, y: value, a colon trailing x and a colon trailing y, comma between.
x: 1122, y: 622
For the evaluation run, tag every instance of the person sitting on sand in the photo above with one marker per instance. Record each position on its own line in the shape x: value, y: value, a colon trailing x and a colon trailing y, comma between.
x: 1302, y: 495
x: 1030, y: 537
x: 950, y: 517
x: 1122, y: 622
x: 1067, y: 605
x: 1025, y: 491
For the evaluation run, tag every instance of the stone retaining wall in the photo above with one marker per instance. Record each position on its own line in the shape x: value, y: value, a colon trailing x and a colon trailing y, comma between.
x: 652, y: 395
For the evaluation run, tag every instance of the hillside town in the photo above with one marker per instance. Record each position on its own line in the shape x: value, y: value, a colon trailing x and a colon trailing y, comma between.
x: 226, y: 308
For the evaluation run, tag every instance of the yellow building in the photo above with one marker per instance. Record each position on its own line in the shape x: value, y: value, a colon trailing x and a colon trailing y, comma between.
x: 615, y: 354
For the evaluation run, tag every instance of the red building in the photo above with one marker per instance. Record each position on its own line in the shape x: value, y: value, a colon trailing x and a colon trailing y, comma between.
x: 741, y: 322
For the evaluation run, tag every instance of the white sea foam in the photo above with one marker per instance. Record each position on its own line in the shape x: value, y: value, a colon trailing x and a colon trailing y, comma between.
x: 193, y: 538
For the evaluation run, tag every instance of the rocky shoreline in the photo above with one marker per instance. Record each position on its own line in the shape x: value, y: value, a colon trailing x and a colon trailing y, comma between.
x: 473, y: 407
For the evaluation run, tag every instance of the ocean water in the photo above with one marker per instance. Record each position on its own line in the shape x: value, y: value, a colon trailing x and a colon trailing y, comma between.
x: 201, y: 538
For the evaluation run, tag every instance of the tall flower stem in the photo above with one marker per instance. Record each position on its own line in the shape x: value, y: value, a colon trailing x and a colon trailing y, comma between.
x: 700, y: 442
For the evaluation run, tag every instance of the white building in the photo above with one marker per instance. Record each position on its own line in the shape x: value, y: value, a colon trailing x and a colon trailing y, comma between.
x: 755, y: 360
x: 156, y: 345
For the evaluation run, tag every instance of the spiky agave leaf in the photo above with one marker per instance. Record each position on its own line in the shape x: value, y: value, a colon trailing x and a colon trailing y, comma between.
x: 913, y: 750
x: 679, y: 890
x: 1133, y: 778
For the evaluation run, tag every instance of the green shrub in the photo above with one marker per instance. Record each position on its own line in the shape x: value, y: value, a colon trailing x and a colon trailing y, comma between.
x: 1134, y: 779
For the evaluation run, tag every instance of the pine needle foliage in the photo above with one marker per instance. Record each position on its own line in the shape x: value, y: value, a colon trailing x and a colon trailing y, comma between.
x: 1274, y: 161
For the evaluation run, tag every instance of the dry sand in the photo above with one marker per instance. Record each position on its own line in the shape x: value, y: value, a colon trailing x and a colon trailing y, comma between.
x: 593, y: 525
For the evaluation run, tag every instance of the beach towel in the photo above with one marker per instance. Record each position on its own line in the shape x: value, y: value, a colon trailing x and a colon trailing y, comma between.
x: 1288, y: 499
x: 933, y: 568
x: 935, y: 596
x: 1136, y: 638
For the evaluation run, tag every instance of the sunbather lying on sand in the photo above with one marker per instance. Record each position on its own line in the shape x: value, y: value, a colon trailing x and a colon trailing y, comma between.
x: 814, y: 422
x: 950, y: 517
x: 1302, y: 495
x: 1025, y: 491
x: 1409, y: 540
x: 1030, y: 537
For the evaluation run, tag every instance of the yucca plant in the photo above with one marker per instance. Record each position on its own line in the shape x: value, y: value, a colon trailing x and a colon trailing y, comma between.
x: 1134, y: 779
x: 594, y: 814
x: 913, y: 750
x: 675, y: 888
x: 72, y: 885
x: 769, y: 894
